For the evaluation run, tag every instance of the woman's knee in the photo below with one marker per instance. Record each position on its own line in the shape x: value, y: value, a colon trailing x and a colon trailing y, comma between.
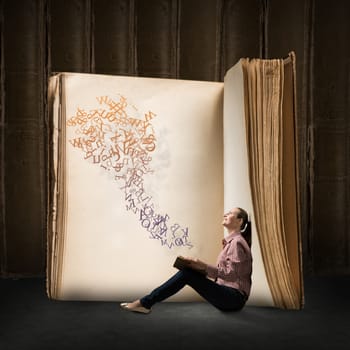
x: 188, y: 272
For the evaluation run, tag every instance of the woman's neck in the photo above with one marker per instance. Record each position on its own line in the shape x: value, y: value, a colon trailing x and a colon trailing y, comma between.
x: 233, y: 230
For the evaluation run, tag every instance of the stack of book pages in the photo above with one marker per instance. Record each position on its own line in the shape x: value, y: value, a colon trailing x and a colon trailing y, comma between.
x: 141, y: 171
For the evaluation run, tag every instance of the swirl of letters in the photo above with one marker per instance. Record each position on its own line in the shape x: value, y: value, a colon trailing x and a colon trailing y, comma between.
x: 112, y: 138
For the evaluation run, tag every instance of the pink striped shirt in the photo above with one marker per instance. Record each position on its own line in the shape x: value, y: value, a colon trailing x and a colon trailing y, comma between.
x: 234, y: 264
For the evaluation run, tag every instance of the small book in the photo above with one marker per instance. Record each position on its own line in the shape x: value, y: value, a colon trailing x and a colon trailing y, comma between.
x: 181, y: 263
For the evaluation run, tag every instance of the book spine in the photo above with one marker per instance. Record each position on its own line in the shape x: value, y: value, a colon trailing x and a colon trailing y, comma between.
x: 156, y: 38
x: 114, y: 33
x: 51, y: 251
x: 23, y: 132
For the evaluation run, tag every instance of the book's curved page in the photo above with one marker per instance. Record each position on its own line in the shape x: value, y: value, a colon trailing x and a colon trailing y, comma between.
x: 272, y: 154
x: 139, y: 182
x: 237, y: 191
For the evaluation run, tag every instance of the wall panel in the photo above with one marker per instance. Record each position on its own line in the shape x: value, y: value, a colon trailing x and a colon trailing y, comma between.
x: 114, y: 37
x: 200, y: 39
x: 24, y: 150
x: 156, y: 38
x: 289, y: 28
x: 70, y: 36
x: 331, y: 78
x: 188, y: 39
x: 3, y: 254
x: 331, y: 241
x: 242, y: 31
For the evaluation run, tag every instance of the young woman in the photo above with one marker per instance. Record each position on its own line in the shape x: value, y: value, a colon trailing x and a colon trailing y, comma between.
x: 225, y: 285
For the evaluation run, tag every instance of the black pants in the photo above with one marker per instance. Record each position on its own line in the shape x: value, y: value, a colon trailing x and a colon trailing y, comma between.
x: 222, y: 297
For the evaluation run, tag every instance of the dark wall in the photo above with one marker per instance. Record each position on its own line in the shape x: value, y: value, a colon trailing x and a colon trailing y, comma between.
x: 187, y: 39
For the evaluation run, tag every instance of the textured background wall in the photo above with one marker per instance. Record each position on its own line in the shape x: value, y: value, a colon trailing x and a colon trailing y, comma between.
x: 187, y: 39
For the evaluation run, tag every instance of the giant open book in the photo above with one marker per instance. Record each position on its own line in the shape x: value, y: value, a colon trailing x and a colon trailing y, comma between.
x: 141, y: 170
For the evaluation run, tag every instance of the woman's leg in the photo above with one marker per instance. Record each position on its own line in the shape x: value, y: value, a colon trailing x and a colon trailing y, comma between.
x: 222, y: 297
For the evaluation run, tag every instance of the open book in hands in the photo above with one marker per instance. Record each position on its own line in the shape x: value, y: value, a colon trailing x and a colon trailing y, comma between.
x: 182, y: 263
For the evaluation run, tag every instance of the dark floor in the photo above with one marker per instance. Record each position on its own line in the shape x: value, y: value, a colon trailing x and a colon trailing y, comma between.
x: 30, y: 321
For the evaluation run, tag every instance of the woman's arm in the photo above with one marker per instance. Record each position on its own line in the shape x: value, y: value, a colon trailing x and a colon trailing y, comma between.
x: 197, y: 264
x: 235, y: 263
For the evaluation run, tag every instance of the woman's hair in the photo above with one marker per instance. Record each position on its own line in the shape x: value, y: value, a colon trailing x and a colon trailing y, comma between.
x: 246, y: 229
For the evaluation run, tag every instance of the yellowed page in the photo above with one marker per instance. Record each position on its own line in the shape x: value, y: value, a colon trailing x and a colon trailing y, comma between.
x: 236, y: 176
x: 110, y: 251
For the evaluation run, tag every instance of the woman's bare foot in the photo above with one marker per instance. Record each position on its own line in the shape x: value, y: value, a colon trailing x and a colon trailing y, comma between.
x: 135, y: 306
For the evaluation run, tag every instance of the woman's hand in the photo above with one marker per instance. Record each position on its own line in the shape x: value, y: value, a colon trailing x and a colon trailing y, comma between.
x: 197, y: 264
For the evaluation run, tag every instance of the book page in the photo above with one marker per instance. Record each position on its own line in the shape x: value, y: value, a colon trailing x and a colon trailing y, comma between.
x: 236, y: 176
x: 143, y: 182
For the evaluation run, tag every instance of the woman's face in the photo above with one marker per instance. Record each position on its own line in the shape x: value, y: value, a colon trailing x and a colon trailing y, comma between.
x: 231, y: 221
